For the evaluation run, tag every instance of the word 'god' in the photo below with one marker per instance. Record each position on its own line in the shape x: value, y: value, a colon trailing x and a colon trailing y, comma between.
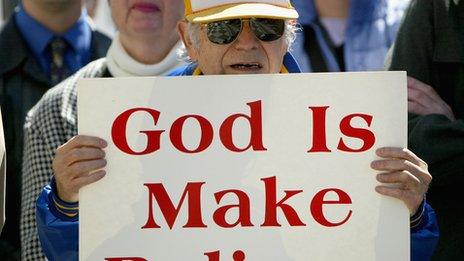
x: 226, y: 137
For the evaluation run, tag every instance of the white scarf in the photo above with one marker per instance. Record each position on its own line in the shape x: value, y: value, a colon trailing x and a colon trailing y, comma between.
x: 121, y: 64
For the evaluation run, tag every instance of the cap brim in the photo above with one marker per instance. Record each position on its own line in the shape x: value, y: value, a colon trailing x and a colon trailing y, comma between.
x: 242, y: 10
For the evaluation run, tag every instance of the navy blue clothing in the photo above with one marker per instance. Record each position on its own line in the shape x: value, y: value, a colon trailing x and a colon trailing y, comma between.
x: 37, y: 38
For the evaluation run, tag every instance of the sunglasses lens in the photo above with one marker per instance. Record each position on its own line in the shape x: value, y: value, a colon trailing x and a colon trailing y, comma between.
x: 267, y: 30
x: 223, y: 32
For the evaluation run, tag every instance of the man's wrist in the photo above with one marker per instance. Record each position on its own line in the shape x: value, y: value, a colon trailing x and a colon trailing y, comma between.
x: 416, y: 219
x: 64, y: 210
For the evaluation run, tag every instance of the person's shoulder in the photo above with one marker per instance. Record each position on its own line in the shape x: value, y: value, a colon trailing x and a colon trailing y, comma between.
x: 182, y: 70
x: 58, y: 104
x: 421, y: 14
x: 101, y: 38
x: 13, y: 47
x: 100, y: 41
x: 67, y: 88
x: 423, y: 7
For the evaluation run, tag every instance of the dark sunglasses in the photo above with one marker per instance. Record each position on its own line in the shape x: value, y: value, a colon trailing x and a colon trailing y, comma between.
x: 226, y: 31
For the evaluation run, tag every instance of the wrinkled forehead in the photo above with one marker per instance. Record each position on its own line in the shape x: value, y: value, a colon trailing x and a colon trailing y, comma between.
x: 200, y: 5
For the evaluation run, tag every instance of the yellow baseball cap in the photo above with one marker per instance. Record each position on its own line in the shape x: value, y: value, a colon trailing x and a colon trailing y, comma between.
x: 201, y: 11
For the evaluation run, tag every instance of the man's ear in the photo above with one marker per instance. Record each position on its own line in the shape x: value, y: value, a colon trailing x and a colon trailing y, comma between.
x: 182, y: 29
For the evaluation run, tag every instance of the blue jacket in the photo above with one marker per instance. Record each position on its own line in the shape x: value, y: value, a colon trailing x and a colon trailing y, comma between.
x: 58, y: 233
x: 371, y: 30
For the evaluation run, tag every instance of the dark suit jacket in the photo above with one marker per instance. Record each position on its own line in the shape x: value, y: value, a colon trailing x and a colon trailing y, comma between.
x: 430, y: 47
x: 22, y: 84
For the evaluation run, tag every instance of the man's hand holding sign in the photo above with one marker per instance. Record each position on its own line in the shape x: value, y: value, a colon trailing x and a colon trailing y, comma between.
x: 77, y: 163
x: 402, y: 167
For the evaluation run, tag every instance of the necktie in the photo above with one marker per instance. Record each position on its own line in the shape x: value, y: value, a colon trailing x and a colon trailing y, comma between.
x: 58, y: 71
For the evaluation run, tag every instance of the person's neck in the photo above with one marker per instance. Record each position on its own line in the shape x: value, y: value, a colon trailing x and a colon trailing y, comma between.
x: 148, y: 50
x: 333, y: 8
x: 57, y: 17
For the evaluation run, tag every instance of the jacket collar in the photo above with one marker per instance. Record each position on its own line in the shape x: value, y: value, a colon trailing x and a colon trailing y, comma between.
x: 15, y: 52
x: 452, y: 50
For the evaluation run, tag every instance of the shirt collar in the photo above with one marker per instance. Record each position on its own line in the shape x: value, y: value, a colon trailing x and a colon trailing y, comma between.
x: 35, y: 34
x: 79, y: 36
x: 38, y: 36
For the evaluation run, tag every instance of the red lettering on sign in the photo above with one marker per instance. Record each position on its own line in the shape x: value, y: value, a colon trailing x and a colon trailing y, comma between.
x: 206, y: 134
x: 318, y: 203
x: 125, y: 259
x: 256, y: 133
x: 243, y: 206
x: 169, y: 211
x: 272, y: 205
x: 319, y: 143
x: 319, y: 133
x: 365, y: 135
x: 118, y: 132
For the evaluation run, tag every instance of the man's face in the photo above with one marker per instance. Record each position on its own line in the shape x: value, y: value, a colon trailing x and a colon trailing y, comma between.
x: 146, y: 17
x: 245, y: 55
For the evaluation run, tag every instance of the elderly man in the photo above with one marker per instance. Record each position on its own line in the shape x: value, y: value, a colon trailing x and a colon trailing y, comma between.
x: 225, y: 37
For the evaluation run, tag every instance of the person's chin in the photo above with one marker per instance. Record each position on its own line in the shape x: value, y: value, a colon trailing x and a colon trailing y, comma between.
x: 145, y: 22
x: 147, y: 26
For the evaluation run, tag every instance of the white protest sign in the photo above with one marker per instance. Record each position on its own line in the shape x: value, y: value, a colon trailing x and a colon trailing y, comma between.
x: 252, y: 167
x: 2, y: 174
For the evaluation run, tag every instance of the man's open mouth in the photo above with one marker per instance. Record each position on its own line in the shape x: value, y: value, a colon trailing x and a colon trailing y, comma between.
x: 247, y: 66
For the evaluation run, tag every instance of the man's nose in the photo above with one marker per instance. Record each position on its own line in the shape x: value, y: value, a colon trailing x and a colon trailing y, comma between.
x: 246, y: 40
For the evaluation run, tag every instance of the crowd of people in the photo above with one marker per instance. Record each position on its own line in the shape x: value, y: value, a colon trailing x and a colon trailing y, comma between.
x: 46, y: 46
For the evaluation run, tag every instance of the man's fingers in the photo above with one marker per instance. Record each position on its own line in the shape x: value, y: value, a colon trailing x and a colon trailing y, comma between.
x: 424, y: 94
x: 420, y: 97
x: 417, y: 108
x: 431, y: 104
x: 82, y: 154
x: 411, y: 199
x: 83, y: 181
x: 398, y: 165
x: 390, y: 165
x: 402, y: 177
x: 400, y: 153
x: 391, y: 192
x: 83, y: 168
x: 400, y: 159
x: 82, y: 141
x: 418, y: 85
x: 422, y: 87
x: 412, y: 82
